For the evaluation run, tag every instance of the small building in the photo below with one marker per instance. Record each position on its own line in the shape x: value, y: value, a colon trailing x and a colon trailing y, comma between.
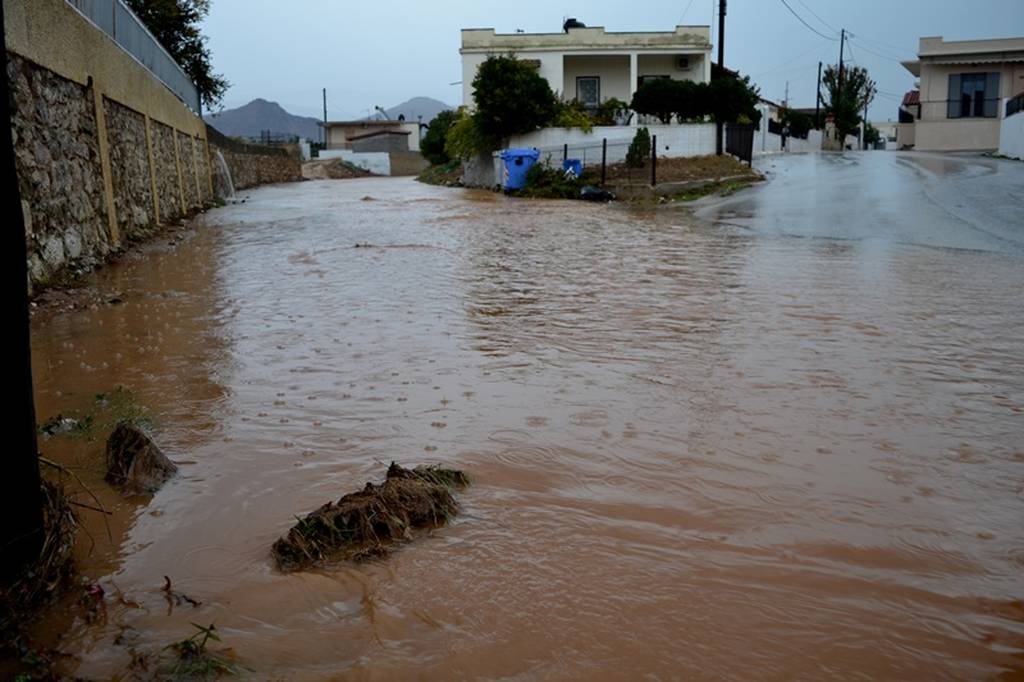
x: 340, y: 134
x: 963, y: 87
x: 381, y: 140
x: 591, y: 65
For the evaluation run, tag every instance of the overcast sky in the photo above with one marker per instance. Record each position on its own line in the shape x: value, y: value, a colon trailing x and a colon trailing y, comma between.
x: 382, y: 53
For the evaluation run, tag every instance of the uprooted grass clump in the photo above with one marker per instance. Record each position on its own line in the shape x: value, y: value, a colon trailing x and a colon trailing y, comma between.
x: 363, y: 524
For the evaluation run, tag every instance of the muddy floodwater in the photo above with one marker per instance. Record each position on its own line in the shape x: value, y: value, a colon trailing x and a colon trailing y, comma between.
x: 701, y: 448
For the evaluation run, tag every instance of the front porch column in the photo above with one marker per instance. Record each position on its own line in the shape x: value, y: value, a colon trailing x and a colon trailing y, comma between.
x: 633, y: 74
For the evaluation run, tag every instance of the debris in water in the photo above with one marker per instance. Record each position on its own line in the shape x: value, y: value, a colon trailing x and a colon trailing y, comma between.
x: 362, y: 524
x: 174, y: 597
x: 134, y: 461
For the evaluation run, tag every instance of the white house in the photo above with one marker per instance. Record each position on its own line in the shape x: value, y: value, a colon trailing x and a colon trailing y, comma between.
x: 964, y: 87
x: 591, y: 65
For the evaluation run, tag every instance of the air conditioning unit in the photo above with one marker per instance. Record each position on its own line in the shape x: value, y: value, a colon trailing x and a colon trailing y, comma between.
x: 683, y: 63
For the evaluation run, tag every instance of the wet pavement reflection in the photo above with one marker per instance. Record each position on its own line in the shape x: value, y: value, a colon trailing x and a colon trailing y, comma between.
x: 705, y: 448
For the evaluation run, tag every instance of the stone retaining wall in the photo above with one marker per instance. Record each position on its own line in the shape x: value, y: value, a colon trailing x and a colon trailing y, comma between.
x: 105, y: 153
x: 59, y: 170
x: 251, y: 165
x: 129, y: 170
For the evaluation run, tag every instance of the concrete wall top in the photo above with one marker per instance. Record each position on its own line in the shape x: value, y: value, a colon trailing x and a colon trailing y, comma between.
x: 936, y: 46
x: 42, y: 30
x: 684, y: 37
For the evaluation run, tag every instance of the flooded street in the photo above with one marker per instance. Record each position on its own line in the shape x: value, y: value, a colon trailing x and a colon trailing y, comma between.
x: 779, y: 440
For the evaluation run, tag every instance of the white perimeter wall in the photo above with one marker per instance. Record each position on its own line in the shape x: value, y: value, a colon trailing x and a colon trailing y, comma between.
x: 690, y: 139
x: 1011, y: 135
x: 767, y: 143
x: 378, y: 163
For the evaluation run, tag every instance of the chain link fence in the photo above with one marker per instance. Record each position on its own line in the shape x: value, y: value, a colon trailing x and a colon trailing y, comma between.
x: 115, y: 19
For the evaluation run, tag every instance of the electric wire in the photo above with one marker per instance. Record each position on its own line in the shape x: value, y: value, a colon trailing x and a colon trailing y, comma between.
x: 815, y: 15
x: 801, y: 20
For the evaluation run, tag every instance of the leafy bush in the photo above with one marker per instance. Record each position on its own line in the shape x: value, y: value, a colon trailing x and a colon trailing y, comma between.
x: 692, y: 101
x: 799, y: 123
x: 639, y: 149
x: 464, y: 138
x: 729, y: 98
x: 433, y: 143
x: 610, y: 111
x: 724, y: 99
x: 511, y: 98
x: 551, y: 183
x: 572, y: 115
x: 657, y: 98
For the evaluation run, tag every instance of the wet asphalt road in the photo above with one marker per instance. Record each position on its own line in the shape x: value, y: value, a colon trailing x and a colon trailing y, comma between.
x: 940, y: 200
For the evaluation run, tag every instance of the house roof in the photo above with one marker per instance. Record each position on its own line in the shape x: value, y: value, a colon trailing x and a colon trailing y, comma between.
x: 693, y: 38
x: 912, y: 98
x: 365, y: 124
x: 376, y: 133
x: 935, y: 50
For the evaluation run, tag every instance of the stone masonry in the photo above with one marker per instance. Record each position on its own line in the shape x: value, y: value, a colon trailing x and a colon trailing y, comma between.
x: 53, y: 123
x: 168, y: 189
x: 129, y: 168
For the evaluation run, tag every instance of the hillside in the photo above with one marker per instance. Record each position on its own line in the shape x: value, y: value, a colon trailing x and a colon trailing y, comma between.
x: 418, y: 106
x: 259, y: 115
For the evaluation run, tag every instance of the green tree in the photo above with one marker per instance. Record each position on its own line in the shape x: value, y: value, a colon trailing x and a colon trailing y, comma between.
x: 639, y: 149
x: 799, y: 123
x: 511, y: 98
x: 658, y: 97
x: 175, y: 23
x: 846, y: 105
x: 433, y: 144
x: 731, y: 98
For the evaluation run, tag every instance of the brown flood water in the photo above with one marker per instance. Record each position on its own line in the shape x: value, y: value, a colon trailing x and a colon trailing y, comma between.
x: 698, y: 453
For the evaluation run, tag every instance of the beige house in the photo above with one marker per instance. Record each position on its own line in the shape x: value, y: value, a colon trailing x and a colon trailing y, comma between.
x: 342, y: 134
x: 964, y: 86
x: 591, y: 65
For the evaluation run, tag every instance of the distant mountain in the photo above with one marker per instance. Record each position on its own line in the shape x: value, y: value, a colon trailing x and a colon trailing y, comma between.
x: 418, y: 106
x: 259, y: 115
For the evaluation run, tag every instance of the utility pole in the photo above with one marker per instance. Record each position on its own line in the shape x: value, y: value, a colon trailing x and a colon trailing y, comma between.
x: 721, y: 69
x: 839, y: 89
x: 785, y: 100
x: 817, y: 100
x: 21, y: 534
x: 325, y: 118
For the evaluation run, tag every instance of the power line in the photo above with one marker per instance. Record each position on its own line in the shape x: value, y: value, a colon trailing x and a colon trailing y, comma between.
x: 860, y: 46
x: 801, y: 20
x: 688, y: 6
x: 817, y: 47
x: 815, y: 15
x: 888, y: 45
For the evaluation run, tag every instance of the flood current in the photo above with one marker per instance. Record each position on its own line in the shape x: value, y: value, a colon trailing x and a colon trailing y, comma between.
x: 699, y: 449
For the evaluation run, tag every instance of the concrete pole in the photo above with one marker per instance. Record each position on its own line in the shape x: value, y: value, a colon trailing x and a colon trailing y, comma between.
x: 21, y: 533
x: 721, y: 70
x: 817, y: 100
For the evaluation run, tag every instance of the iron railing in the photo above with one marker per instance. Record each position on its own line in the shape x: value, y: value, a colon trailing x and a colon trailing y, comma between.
x: 1014, y: 105
x: 115, y: 19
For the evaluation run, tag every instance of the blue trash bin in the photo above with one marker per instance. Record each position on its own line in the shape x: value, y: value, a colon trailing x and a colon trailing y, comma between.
x: 574, y: 165
x: 517, y: 162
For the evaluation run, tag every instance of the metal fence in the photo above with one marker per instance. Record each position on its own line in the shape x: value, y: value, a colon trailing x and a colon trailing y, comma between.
x: 120, y: 23
x: 1014, y: 105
